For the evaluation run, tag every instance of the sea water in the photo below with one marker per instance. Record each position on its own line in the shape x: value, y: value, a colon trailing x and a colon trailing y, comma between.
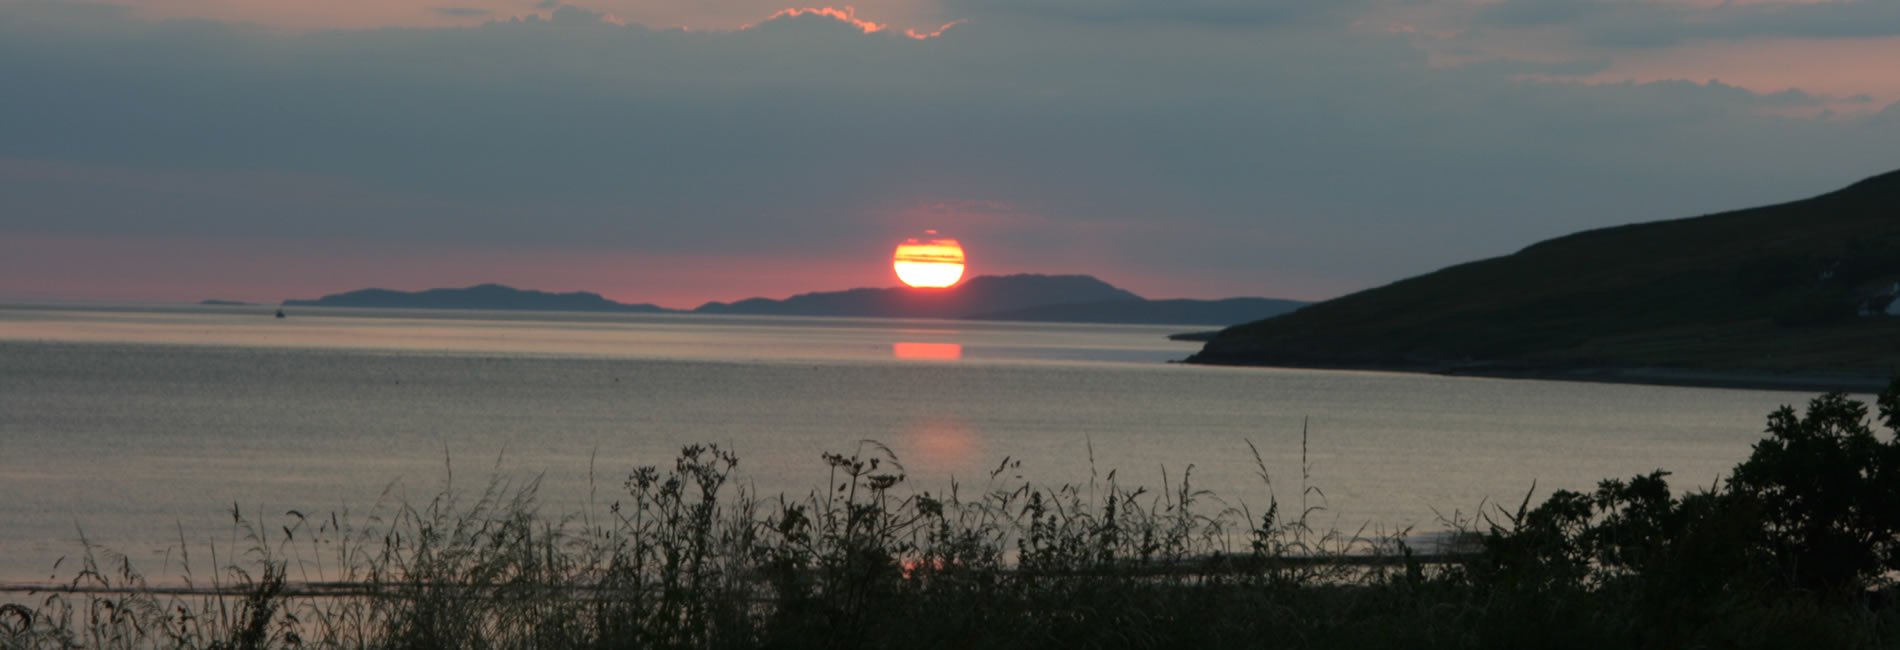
x: 142, y: 427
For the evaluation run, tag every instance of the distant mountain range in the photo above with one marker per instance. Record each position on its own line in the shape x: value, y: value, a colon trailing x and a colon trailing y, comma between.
x: 1802, y: 288
x: 1047, y: 298
x: 484, y: 296
x: 975, y: 296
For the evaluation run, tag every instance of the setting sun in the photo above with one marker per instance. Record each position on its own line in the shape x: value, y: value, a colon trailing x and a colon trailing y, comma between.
x: 929, y: 262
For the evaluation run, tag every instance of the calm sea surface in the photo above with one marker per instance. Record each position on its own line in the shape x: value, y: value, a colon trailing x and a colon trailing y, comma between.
x: 142, y: 426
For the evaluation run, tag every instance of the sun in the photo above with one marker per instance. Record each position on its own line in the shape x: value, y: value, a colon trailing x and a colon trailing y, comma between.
x: 930, y: 262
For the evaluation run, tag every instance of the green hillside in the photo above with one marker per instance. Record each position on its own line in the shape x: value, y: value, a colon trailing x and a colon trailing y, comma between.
x: 1778, y: 289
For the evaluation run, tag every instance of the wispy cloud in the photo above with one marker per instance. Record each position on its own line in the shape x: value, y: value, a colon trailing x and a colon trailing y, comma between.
x: 462, y: 12
x: 1221, y: 13
x: 848, y: 15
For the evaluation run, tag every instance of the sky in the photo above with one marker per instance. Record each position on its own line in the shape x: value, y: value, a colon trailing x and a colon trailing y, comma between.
x: 677, y: 152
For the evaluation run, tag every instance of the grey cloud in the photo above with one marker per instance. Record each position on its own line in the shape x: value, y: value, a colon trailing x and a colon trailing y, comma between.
x: 462, y: 12
x: 1205, y: 12
x: 1341, y: 156
x: 1638, y: 23
x: 1706, y: 96
x: 1573, y: 68
x: 1838, y: 19
x: 1539, y: 12
x: 1889, y: 116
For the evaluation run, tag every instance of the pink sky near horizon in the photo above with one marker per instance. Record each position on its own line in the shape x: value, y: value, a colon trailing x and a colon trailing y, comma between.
x: 152, y: 266
x: 271, y: 271
x: 73, y: 268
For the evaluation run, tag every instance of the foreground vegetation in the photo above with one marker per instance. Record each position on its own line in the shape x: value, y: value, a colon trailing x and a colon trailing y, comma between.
x: 1796, y: 549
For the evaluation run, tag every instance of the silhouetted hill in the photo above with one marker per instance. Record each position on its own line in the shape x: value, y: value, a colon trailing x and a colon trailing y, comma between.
x: 485, y: 296
x: 1180, y: 311
x: 1801, y: 287
x: 978, y: 295
x: 1049, y: 298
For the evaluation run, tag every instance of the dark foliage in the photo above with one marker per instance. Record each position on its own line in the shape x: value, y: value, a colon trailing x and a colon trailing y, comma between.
x: 1827, y: 491
x: 1798, y: 543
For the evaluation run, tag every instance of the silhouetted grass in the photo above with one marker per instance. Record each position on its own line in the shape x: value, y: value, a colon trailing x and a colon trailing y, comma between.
x: 685, y: 558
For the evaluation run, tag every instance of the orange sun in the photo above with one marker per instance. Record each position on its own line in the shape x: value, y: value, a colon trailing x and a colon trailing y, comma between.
x: 929, y: 262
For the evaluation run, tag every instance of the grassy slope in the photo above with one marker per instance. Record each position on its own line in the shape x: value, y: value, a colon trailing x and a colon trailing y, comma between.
x: 1742, y: 290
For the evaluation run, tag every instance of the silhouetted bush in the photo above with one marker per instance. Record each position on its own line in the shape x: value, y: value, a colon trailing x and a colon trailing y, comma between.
x: 1815, y: 509
x: 1827, y: 491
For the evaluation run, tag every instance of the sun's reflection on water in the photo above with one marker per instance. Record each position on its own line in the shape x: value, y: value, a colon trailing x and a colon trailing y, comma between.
x: 941, y: 445
x: 927, y: 351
